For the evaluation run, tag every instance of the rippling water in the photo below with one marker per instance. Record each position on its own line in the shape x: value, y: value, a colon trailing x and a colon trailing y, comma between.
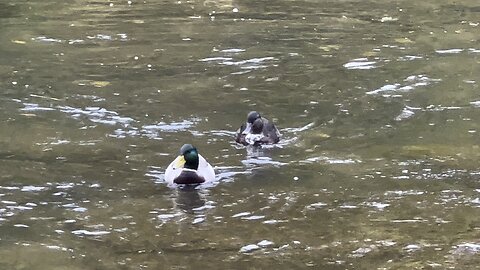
x: 377, y: 102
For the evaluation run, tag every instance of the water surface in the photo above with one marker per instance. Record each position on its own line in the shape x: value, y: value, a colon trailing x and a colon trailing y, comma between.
x: 377, y: 102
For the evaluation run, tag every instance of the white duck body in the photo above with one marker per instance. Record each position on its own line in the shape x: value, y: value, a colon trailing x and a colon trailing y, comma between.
x: 176, y: 169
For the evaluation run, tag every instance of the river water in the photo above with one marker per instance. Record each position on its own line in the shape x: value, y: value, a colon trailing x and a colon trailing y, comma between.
x: 378, y: 103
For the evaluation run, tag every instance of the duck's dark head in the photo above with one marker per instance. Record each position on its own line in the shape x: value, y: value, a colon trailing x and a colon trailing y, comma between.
x: 189, y: 156
x: 257, y: 126
x: 251, y: 118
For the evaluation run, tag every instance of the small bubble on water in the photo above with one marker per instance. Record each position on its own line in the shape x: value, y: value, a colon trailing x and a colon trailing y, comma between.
x: 235, y: 10
x: 295, y: 178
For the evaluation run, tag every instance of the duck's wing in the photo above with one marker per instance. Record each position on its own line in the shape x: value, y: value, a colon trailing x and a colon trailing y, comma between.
x: 205, y: 170
x: 271, y: 133
x: 173, y: 171
x: 240, y: 137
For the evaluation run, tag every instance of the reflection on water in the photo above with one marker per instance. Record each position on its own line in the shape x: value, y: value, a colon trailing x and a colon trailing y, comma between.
x: 377, y: 103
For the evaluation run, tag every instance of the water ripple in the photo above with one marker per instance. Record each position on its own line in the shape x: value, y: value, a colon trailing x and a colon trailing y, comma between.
x: 248, y: 64
x: 259, y: 160
x: 407, y: 112
x: 411, y: 83
x: 108, y: 117
x: 90, y: 233
x: 466, y: 248
x: 94, y: 39
x: 330, y: 160
x: 170, y: 127
x: 360, y: 63
x: 32, y: 107
x: 97, y: 115
x: 449, y: 51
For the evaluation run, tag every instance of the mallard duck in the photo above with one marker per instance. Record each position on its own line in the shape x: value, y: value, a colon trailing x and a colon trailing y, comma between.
x: 257, y: 130
x: 189, y: 168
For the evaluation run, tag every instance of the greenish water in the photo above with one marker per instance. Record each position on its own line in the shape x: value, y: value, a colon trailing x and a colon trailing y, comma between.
x: 378, y: 103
